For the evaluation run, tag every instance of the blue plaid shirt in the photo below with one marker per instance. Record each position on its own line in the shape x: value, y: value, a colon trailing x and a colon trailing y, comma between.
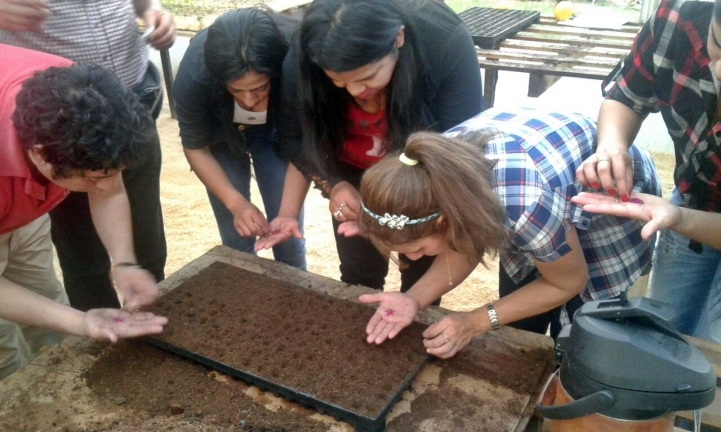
x: 537, y: 154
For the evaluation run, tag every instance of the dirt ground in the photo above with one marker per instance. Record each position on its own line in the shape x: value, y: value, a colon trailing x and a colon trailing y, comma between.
x: 191, y: 230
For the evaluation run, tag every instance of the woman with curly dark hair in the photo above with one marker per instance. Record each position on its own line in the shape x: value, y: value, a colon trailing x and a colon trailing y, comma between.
x: 64, y: 128
x: 371, y: 72
x: 227, y: 96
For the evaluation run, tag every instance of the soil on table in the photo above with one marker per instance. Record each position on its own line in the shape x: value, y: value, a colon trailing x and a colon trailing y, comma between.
x: 302, y: 340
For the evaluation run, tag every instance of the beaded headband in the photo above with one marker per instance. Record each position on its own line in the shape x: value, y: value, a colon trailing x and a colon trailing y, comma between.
x: 397, y: 222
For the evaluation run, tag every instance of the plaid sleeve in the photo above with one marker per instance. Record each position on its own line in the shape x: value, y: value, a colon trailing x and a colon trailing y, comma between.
x: 541, y: 229
x: 632, y: 81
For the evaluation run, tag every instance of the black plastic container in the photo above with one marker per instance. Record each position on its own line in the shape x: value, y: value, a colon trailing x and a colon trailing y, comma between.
x: 489, y: 27
x: 360, y: 422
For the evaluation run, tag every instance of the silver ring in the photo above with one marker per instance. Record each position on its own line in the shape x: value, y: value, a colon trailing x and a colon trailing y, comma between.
x: 339, y: 213
x: 599, y: 160
x: 447, y: 338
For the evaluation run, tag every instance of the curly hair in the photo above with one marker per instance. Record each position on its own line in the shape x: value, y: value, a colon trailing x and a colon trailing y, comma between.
x: 83, y: 118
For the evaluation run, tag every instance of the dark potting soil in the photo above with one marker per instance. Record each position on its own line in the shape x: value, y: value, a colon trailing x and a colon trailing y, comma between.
x: 290, y: 336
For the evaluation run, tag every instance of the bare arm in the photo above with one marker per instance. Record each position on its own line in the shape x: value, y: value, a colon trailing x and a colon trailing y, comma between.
x: 560, y: 280
x: 110, y: 211
x: 618, y: 126
x: 28, y: 308
x: 295, y: 189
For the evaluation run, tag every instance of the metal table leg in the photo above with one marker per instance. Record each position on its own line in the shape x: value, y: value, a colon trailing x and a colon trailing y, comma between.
x: 168, y: 76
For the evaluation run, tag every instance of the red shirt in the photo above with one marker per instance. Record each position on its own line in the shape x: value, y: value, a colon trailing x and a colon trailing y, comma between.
x: 22, y: 198
x: 365, y: 138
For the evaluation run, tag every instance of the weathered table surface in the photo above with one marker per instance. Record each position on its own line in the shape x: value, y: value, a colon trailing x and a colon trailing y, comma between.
x: 549, y: 50
x: 54, y: 380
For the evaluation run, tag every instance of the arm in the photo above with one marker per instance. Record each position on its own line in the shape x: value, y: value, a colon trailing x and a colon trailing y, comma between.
x: 154, y: 16
x: 28, y: 308
x: 110, y: 211
x: 630, y: 92
x: 658, y: 214
x: 560, y: 280
x: 248, y: 220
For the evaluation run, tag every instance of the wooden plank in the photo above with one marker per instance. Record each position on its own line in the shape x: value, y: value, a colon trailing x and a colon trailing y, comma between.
x: 547, y: 59
x: 585, y: 33
x: 573, y: 41
x: 545, y: 69
x: 562, y: 48
x: 628, y: 27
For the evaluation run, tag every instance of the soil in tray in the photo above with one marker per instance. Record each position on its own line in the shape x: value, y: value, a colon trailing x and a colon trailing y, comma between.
x: 300, y: 339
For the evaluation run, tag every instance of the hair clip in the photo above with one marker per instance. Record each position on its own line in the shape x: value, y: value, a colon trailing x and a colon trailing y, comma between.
x: 395, y: 221
x: 407, y: 161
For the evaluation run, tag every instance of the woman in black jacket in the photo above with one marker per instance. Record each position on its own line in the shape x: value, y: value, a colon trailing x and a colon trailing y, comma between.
x: 227, y: 94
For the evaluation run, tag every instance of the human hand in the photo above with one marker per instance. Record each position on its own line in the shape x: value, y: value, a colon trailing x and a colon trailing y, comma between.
x: 23, y: 15
x: 163, y: 35
x: 349, y: 229
x: 395, y: 312
x: 610, y: 170
x: 282, y: 229
x: 451, y: 334
x: 114, y: 324
x: 248, y: 220
x: 135, y: 286
x: 655, y: 211
x: 344, y: 202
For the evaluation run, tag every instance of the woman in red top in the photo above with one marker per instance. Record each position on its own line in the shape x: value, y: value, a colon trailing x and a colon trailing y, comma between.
x: 369, y: 73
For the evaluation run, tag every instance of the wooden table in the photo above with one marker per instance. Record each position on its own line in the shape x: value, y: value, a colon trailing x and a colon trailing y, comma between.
x: 549, y: 50
x: 52, y: 387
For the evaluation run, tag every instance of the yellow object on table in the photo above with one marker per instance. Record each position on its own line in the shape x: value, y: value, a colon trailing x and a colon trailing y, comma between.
x: 563, y: 11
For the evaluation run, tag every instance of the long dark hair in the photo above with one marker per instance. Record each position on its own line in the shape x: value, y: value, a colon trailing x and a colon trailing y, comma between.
x: 343, y: 35
x: 244, y: 40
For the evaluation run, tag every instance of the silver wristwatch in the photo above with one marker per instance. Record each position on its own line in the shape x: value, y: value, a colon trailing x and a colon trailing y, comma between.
x: 493, y: 316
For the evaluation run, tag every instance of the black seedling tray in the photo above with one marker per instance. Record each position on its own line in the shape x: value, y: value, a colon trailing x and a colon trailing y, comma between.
x: 360, y: 422
x: 489, y: 27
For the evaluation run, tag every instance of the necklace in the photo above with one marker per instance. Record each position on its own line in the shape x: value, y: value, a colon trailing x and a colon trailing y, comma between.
x: 448, y: 267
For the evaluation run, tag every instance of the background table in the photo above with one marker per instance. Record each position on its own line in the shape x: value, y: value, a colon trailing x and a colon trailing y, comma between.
x: 547, y: 50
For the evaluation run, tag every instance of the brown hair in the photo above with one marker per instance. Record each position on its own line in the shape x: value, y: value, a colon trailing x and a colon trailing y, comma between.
x: 452, y: 177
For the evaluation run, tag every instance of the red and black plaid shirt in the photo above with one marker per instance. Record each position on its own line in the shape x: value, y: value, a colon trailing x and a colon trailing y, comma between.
x: 668, y: 71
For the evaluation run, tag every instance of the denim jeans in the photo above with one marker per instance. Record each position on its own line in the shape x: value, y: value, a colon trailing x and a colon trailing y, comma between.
x: 689, y: 281
x: 270, y: 175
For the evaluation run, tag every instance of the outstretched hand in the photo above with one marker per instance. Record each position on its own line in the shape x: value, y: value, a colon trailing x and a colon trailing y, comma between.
x: 114, y: 324
x: 395, y: 312
x: 655, y: 211
x: 282, y: 229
